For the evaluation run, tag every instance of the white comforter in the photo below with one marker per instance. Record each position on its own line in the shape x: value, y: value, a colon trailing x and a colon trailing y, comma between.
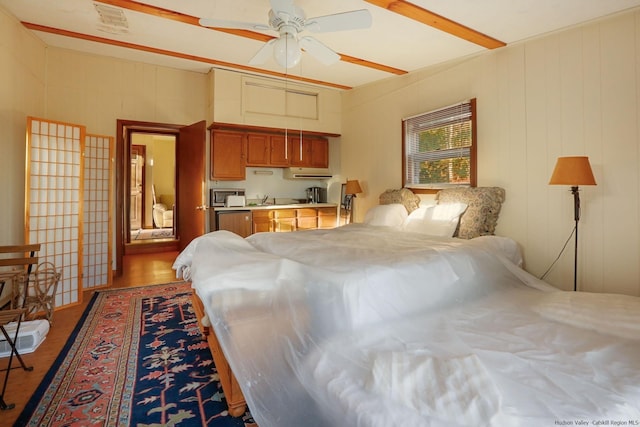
x: 368, y: 326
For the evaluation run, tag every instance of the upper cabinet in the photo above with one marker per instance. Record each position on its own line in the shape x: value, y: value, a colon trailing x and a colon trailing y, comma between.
x: 267, y: 150
x: 280, y: 152
x: 258, y: 149
x: 273, y: 103
x: 228, y: 159
x: 234, y: 147
x: 309, y: 152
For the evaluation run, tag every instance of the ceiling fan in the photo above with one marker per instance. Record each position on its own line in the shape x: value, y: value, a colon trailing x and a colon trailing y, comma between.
x: 289, y: 21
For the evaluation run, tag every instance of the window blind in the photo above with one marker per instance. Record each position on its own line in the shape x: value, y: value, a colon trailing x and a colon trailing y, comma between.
x: 438, y: 147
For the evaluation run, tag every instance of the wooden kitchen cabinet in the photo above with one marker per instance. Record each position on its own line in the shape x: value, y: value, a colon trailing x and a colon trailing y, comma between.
x: 228, y: 155
x: 307, y: 218
x: 262, y: 221
x: 319, y: 153
x: 309, y: 152
x: 327, y: 218
x: 234, y: 147
x: 300, y: 151
x: 267, y: 150
x: 284, y: 220
x: 294, y: 219
x: 258, y: 150
x: 279, y: 220
x: 280, y: 151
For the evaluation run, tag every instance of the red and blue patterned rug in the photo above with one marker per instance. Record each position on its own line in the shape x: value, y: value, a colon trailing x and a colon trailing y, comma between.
x: 136, y: 358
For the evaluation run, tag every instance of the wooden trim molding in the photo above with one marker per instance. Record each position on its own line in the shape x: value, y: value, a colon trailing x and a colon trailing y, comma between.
x: 438, y: 22
x: 264, y: 129
x: 192, y: 20
x: 221, y: 64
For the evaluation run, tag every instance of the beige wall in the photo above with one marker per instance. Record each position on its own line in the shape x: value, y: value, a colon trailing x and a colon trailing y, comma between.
x: 22, y: 83
x: 96, y: 91
x: 73, y: 87
x: 571, y: 93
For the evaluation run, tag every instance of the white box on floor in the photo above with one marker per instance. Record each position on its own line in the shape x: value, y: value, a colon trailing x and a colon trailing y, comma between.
x: 31, y: 335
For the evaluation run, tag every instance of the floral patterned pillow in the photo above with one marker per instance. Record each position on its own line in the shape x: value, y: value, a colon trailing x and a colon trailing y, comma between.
x: 483, y: 209
x: 403, y: 196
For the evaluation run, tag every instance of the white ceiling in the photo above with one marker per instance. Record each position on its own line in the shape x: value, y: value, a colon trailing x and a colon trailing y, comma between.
x: 393, y: 40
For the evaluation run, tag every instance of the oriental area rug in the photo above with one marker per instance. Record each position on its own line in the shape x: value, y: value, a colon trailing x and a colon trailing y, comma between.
x: 136, y: 358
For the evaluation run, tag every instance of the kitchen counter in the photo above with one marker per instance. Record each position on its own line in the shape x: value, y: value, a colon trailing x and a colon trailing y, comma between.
x: 276, y: 206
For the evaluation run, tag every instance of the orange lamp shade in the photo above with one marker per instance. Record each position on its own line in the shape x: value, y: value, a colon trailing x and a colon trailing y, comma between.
x: 574, y: 171
x: 352, y: 187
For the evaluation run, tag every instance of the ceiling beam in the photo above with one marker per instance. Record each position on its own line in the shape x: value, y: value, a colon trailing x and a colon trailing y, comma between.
x: 192, y: 20
x: 221, y: 64
x: 439, y: 22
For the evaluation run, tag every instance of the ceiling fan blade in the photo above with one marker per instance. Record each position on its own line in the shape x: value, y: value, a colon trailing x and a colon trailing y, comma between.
x: 235, y: 25
x: 354, y: 20
x: 265, y: 52
x: 318, y: 50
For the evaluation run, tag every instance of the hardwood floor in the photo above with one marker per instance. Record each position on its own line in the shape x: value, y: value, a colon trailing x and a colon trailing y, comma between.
x: 138, y: 270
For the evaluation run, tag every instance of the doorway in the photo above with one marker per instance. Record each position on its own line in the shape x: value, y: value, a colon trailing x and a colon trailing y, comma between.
x: 184, y: 196
x: 153, y: 196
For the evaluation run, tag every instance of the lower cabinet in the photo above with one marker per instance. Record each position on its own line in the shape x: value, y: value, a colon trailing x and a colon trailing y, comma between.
x: 236, y: 222
x: 283, y: 220
x: 262, y: 221
x: 327, y: 218
x: 307, y: 218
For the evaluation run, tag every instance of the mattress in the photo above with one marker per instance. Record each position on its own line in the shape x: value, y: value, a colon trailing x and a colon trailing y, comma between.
x: 330, y: 327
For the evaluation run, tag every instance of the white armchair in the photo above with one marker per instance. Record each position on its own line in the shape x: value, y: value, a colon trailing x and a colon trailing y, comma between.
x: 162, y: 217
x: 162, y: 209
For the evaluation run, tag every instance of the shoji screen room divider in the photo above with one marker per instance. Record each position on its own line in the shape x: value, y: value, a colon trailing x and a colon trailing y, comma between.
x: 97, y: 224
x: 71, y: 224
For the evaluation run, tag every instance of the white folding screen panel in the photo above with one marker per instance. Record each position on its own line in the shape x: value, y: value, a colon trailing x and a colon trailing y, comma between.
x: 98, y: 152
x: 54, y: 207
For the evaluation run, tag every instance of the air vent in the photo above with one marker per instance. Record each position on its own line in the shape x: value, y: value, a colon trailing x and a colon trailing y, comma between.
x: 306, y: 173
x: 112, y: 19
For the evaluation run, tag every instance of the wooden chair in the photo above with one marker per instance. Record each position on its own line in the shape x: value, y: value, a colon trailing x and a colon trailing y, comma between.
x: 41, y: 287
x: 20, y: 260
x: 7, y: 316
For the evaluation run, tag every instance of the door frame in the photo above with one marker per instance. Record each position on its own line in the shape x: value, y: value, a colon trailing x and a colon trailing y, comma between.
x: 122, y: 178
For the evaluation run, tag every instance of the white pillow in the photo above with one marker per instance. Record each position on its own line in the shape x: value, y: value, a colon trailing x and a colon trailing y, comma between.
x: 435, y: 220
x: 392, y: 215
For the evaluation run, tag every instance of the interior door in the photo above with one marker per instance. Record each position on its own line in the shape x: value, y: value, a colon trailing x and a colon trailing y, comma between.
x: 137, y: 177
x: 190, y: 162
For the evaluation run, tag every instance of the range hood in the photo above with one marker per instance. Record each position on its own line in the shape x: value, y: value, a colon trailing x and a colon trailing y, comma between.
x: 306, y: 173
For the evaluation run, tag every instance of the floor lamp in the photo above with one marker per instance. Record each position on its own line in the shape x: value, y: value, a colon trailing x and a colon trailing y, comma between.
x: 573, y: 171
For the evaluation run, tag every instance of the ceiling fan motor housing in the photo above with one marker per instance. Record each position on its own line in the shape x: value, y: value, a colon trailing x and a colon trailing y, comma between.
x: 281, y: 19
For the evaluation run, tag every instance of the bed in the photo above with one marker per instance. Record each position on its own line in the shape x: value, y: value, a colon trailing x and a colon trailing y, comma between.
x: 396, y: 322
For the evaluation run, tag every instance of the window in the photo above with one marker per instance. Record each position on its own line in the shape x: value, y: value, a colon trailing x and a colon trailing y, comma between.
x: 439, y: 148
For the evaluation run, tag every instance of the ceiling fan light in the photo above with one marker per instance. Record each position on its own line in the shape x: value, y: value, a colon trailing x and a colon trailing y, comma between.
x: 286, y: 51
